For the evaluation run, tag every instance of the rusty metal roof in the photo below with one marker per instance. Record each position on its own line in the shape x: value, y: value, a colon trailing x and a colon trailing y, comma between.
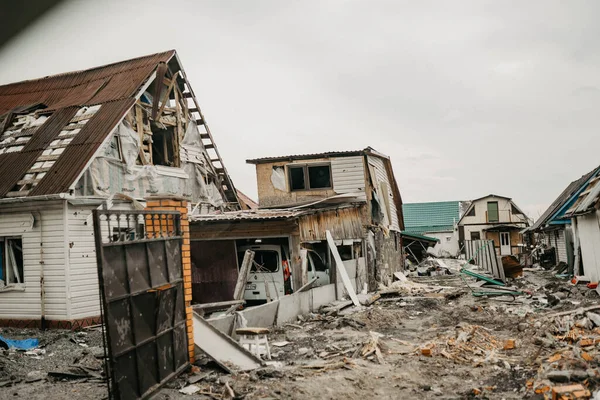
x: 328, y: 154
x: 248, y: 215
x: 112, y: 86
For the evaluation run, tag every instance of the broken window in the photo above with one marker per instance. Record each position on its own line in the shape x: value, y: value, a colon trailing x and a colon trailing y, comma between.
x: 113, y: 149
x: 475, y: 235
x: 11, y: 260
x: 264, y: 261
x: 310, y: 176
x: 492, y: 210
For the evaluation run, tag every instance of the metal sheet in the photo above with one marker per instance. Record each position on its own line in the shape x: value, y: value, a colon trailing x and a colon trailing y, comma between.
x: 214, y: 270
x: 141, y: 286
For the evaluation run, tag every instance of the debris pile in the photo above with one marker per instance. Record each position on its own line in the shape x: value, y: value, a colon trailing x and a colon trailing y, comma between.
x: 574, y: 339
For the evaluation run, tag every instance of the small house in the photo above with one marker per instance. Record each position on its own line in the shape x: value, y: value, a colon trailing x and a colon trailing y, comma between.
x: 107, y: 137
x: 553, y: 228
x: 496, y: 218
x: 437, y: 220
x: 351, y: 194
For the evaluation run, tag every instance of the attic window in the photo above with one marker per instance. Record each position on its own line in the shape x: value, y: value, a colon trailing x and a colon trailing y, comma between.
x: 471, y: 213
x: 310, y: 176
x: 515, y: 210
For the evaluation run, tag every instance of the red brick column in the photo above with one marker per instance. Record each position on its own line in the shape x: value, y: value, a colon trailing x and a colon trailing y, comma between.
x: 170, y: 203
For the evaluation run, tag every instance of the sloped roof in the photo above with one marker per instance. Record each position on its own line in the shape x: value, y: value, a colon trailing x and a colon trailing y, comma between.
x: 561, y: 200
x: 430, y: 217
x: 310, y: 156
x: 246, y: 202
x: 114, y: 87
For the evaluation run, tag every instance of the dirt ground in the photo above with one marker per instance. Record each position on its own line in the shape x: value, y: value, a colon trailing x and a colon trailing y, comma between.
x: 428, y: 340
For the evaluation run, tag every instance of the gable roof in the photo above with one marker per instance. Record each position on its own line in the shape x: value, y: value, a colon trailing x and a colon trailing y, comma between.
x: 310, y: 156
x: 485, y: 197
x: 563, y: 198
x: 430, y: 217
x: 113, y: 87
x: 586, y: 198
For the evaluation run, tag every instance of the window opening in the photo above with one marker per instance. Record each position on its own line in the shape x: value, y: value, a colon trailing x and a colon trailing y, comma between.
x: 310, y: 177
x: 11, y: 260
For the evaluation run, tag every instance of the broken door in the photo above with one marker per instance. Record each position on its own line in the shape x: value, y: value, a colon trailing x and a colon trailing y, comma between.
x: 140, y: 274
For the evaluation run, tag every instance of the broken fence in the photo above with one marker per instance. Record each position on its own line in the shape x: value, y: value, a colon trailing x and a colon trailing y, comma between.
x: 483, y: 254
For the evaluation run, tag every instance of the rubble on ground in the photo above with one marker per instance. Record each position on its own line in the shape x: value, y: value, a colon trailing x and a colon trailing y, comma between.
x: 420, y: 337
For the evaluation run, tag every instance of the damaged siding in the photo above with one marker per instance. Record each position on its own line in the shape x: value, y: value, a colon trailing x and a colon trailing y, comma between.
x: 348, y: 174
x: 83, y: 270
x: 589, y: 237
x: 561, y: 246
x: 16, y: 221
x: 382, y: 178
x: 344, y: 223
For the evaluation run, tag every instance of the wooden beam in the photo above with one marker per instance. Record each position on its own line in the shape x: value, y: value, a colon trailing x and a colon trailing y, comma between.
x: 341, y: 269
x: 139, y: 120
x: 240, y: 286
x: 165, y: 98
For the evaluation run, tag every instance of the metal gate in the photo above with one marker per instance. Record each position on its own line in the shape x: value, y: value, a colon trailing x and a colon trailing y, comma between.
x: 140, y: 275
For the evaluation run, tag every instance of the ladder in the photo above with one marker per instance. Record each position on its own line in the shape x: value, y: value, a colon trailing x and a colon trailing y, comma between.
x: 225, y: 182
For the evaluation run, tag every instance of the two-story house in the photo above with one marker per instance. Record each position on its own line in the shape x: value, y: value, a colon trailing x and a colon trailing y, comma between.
x: 351, y: 194
x: 106, y: 137
x: 496, y: 218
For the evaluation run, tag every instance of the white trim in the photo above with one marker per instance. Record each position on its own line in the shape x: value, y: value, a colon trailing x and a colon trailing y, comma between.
x: 67, y: 255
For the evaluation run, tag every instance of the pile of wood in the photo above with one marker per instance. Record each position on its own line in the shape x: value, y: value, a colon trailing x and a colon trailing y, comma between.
x: 472, y: 344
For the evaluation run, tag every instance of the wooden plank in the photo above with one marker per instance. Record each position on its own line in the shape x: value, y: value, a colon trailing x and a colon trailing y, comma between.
x: 304, y: 265
x: 27, y: 181
x: 341, y: 269
x: 166, y: 96
x: 20, y: 193
x: 48, y: 158
x: 240, y: 286
x: 139, y: 120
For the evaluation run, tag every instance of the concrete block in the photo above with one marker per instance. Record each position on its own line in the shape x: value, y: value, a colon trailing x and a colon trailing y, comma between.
x: 293, y: 305
x: 223, y: 323
x: 322, y: 295
x: 263, y: 316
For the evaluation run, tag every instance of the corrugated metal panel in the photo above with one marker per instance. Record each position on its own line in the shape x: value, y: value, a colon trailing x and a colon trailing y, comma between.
x: 214, y: 270
x: 27, y: 304
x: 348, y: 175
x: 14, y: 165
x: 382, y: 176
x: 92, y: 86
x: 345, y: 223
x: 77, y: 154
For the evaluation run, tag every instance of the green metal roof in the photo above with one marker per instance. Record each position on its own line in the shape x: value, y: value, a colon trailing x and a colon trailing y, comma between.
x: 419, y: 237
x: 430, y: 217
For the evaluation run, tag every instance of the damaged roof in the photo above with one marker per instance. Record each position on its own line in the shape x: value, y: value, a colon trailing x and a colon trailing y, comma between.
x: 109, y: 91
x: 329, y: 154
x: 562, y: 200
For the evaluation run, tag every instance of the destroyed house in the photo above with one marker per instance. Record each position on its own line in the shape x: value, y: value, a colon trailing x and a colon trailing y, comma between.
x: 496, y: 218
x: 583, y: 211
x: 107, y: 137
x: 352, y: 195
x: 437, y: 220
x: 553, y: 228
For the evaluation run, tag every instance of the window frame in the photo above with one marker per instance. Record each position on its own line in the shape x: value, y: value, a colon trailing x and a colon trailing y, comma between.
x: 497, y: 211
x: 306, y: 175
x: 8, y: 272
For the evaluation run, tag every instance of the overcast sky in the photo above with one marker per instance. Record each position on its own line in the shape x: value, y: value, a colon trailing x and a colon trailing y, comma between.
x: 466, y: 97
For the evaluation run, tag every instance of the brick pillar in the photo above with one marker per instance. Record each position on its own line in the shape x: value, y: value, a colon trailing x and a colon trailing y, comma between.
x: 172, y: 203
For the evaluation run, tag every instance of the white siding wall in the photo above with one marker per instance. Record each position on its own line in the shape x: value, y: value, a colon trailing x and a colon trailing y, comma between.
x: 382, y: 176
x: 348, y: 175
x: 15, y: 221
x: 561, y: 246
x: 85, y: 300
x: 589, y: 237
x: 504, y: 209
